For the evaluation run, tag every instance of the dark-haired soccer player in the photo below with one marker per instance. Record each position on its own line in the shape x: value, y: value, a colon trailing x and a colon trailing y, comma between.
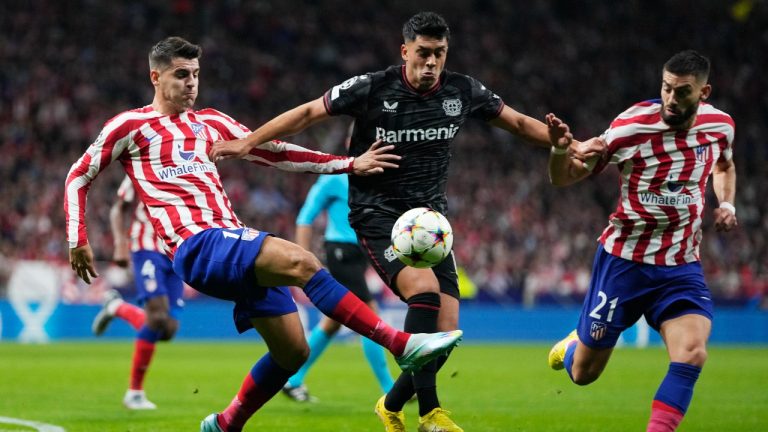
x: 647, y: 261
x: 164, y: 149
x: 419, y: 108
x: 159, y: 290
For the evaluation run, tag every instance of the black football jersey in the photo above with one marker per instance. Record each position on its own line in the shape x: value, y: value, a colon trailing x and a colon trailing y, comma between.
x: 420, y: 125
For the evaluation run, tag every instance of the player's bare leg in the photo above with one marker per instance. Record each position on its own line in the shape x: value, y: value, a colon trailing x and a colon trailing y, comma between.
x: 428, y: 310
x: 281, y: 262
x: 319, y: 339
x: 284, y: 336
x: 686, y: 340
x: 158, y: 326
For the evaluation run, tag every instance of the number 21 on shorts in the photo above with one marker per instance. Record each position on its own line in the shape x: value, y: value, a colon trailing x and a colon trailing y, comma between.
x: 603, y: 300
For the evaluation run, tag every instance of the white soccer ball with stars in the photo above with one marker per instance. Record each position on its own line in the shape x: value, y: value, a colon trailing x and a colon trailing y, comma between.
x: 422, y: 238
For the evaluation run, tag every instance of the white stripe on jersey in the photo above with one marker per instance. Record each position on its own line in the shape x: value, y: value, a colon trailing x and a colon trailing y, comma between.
x: 664, y: 175
x: 167, y: 159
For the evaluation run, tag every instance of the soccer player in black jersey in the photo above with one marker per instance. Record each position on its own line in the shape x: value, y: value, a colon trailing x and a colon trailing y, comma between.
x: 419, y: 107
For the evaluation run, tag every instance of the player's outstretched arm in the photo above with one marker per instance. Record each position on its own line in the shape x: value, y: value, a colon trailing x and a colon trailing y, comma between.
x: 537, y: 133
x: 295, y: 158
x: 286, y: 124
x: 724, y: 185
x: 563, y: 169
x: 81, y: 260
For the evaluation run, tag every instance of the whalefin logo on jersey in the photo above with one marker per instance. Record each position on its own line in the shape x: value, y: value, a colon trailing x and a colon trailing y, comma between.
x: 390, y: 107
x: 186, y: 155
x: 452, y: 107
x: 674, y: 186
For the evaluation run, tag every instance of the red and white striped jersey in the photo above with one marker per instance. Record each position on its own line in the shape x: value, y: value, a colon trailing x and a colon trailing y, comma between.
x: 166, y: 158
x: 664, y: 174
x: 141, y: 234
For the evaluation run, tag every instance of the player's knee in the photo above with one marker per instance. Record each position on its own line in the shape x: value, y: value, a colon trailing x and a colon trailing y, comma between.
x: 293, y: 357
x: 416, y: 287
x: 170, y: 328
x: 583, y: 378
x: 585, y: 375
x: 303, y: 265
x: 695, y: 356
x: 162, y: 323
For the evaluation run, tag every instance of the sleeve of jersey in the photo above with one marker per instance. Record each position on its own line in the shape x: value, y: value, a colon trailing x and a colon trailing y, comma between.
x: 729, y: 135
x: 314, y: 203
x: 291, y: 157
x: 486, y: 105
x: 107, y: 147
x: 349, y: 97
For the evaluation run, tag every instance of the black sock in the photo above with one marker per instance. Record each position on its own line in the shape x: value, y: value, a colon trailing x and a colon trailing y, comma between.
x: 423, y: 310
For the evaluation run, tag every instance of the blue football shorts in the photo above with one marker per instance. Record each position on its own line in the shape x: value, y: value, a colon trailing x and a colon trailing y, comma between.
x: 219, y: 262
x: 154, y: 277
x: 621, y: 291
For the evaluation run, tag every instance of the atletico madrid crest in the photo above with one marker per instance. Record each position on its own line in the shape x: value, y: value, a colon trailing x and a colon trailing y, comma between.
x: 597, y: 330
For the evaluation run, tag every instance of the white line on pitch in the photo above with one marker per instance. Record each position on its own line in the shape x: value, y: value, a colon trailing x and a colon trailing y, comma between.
x: 41, y: 427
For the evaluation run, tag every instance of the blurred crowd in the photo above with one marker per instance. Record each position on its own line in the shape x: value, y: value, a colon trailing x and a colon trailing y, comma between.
x: 67, y: 67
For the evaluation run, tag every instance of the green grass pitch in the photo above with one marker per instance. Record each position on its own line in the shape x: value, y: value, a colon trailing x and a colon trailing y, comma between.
x: 501, y: 387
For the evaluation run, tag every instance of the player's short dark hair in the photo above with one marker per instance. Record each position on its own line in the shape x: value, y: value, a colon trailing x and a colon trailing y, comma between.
x: 426, y: 24
x: 162, y: 54
x: 688, y: 62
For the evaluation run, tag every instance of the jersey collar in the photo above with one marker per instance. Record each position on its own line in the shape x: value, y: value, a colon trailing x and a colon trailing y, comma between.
x: 430, y: 92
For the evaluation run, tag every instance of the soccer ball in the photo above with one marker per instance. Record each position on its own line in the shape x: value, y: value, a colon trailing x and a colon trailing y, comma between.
x: 422, y: 238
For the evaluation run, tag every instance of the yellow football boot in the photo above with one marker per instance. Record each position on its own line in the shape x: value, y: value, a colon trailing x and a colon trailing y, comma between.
x: 437, y: 420
x: 557, y: 353
x: 394, y: 421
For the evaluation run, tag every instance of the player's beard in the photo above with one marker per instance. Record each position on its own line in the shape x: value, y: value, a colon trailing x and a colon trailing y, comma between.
x: 679, y: 119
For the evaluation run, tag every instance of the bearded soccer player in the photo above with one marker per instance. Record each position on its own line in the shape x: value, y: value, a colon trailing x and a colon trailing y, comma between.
x: 647, y: 261
x: 164, y: 148
x: 418, y: 107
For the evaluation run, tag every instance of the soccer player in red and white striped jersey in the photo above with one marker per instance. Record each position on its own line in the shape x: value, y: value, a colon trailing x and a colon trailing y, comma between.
x: 158, y: 289
x: 164, y: 150
x: 647, y: 263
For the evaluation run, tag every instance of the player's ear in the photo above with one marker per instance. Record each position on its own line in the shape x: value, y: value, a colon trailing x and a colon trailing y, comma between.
x: 404, y: 51
x: 154, y: 77
x: 706, y: 91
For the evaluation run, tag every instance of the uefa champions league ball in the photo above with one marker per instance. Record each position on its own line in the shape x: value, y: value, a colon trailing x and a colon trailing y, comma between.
x: 422, y: 238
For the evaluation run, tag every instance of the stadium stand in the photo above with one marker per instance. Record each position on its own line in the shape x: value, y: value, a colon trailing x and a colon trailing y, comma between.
x: 519, y: 239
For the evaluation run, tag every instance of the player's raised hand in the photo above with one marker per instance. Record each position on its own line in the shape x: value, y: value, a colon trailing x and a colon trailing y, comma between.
x: 234, y: 149
x: 559, y: 133
x: 375, y: 160
x: 81, y: 260
x: 725, y: 220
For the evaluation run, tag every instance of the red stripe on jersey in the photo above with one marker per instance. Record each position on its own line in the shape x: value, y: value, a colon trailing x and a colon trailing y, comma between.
x: 629, y: 141
x: 713, y: 118
x: 640, y: 119
x: 638, y: 166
